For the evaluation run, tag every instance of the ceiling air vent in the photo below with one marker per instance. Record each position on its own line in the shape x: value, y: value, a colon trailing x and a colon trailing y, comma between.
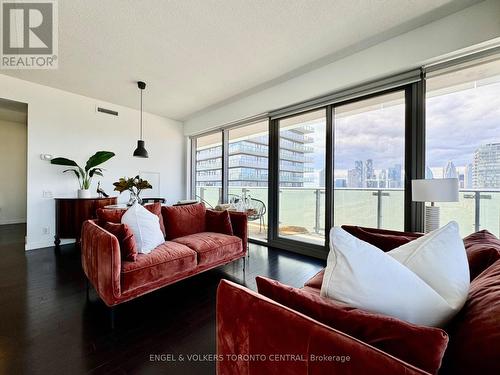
x: 107, y: 111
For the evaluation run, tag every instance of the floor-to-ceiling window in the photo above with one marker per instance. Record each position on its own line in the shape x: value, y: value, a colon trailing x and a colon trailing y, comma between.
x: 248, y: 174
x: 349, y: 158
x: 208, y: 168
x: 301, y: 176
x: 463, y: 141
x: 369, y: 160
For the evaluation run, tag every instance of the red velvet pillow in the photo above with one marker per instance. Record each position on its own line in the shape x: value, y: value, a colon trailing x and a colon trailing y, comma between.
x: 155, y: 208
x: 114, y: 215
x: 384, y: 239
x: 218, y: 222
x: 420, y: 346
x: 475, y: 332
x: 182, y: 221
x: 316, y: 281
x: 483, y: 249
x: 110, y: 215
x: 126, y: 239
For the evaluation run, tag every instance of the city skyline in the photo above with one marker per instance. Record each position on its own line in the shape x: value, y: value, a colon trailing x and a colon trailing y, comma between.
x: 378, y: 135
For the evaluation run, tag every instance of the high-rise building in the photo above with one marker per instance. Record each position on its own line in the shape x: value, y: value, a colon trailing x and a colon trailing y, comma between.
x: 461, y: 180
x: 322, y: 178
x: 382, y: 179
x: 369, y: 174
x: 394, y: 177
x: 340, y: 183
x: 248, y: 160
x: 486, y: 167
x: 355, y: 177
x: 468, y: 176
x: 450, y: 171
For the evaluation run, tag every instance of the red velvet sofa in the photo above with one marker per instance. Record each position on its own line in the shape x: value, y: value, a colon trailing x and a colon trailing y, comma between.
x: 188, y: 250
x: 253, y: 328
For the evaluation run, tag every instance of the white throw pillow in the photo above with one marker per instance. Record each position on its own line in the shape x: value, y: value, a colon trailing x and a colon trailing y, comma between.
x: 439, y: 259
x: 146, y: 228
x: 363, y: 276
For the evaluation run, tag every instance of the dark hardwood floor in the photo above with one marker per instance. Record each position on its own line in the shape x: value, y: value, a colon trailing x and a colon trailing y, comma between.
x: 48, y: 327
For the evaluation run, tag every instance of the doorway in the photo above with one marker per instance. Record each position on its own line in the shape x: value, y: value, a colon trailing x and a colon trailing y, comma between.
x: 13, y: 166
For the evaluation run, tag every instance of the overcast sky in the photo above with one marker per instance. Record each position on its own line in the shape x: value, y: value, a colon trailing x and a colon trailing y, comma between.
x: 457, y: 123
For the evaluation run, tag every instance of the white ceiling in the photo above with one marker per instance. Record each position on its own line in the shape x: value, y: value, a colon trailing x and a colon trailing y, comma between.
x: 196, y: 54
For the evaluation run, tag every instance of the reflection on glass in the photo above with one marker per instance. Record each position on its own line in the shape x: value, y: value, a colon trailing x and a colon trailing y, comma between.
x: 248, y: 175
x: 209, y: 169
x: 463, y: 141
x: 302, y: 177
x: 369, y: 162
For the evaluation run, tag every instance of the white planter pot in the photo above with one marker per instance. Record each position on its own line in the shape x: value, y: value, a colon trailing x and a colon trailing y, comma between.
x: 83, y: 193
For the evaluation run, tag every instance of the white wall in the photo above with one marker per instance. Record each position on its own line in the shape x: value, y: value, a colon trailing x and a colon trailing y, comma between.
x: 66, y: 124
x: 477, y: 24
x: 12, y: 172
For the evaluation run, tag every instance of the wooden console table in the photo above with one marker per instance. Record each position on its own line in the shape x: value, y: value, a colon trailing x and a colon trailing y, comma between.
x: 72, y: 212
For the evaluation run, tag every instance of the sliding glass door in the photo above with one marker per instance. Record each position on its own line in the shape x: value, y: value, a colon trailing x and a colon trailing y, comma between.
x: 248, y: 174
x: 301, y: 176
x: 369, y: 162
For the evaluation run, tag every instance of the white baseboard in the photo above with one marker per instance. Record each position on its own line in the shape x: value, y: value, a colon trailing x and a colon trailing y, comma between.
x: 12, y: 221
x: 42, y: 244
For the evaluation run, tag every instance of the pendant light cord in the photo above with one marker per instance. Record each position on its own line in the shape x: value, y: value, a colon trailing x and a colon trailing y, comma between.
x: 141, y: 115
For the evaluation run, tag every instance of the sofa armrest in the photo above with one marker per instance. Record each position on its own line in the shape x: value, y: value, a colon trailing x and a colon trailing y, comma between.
x: 239, y: 222
x: 256, y: 335
x: 101, y: 261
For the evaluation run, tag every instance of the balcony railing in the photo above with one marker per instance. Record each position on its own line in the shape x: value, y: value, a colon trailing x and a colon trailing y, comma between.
x: 381, y: 208
x: 294, y: 136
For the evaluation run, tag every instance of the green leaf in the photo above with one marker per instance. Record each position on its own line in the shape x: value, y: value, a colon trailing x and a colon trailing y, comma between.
x: 73, y: 170
x: 94, y: 172
x: 98, y: 158
x: 63, y: 161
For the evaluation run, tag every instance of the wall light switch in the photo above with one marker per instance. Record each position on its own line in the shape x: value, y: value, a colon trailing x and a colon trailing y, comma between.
x: 47, y: 194
x: 45, y: 230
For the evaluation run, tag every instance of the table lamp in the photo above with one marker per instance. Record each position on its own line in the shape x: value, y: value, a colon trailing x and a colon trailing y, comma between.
x: 434, y: 190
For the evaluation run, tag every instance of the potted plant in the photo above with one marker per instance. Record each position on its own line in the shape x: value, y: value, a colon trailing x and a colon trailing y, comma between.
x: 85, y: 175
x: 134, y: 185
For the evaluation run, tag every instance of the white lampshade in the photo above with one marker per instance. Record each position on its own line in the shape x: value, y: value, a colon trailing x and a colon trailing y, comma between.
x: 435, y: 190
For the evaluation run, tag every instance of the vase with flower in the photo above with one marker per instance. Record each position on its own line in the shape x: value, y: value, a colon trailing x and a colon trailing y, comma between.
x: 134, y: 185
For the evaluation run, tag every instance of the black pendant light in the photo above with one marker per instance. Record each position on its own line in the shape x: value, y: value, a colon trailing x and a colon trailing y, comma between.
x: 140, y: 151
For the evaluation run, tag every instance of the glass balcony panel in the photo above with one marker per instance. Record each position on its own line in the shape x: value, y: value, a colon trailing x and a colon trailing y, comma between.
x: 463, y: 212
x: 298, y: 215
x: 209, y: 195
x: 489, y: 212
x: 355, y: 207
x: 392, y: 210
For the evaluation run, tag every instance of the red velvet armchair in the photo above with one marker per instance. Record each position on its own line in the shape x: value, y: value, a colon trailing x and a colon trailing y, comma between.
x: 188, y: 250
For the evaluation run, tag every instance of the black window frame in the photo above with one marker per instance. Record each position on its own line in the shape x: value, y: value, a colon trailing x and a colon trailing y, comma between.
x: 414, y: 164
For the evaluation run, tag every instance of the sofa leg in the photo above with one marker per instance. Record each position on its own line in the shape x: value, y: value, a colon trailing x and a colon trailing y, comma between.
x: 112, y: 317
x: 244, y: 263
